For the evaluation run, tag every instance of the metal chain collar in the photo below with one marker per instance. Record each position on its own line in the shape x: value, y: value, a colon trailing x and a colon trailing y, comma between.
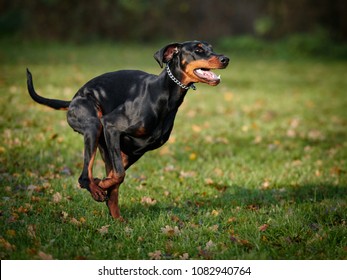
x: 177, y: 81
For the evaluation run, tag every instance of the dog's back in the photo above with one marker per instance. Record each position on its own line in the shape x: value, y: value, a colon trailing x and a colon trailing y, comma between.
x: 113, y: 89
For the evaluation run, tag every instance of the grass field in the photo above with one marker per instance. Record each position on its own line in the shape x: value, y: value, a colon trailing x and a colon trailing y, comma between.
x: 256, y: 168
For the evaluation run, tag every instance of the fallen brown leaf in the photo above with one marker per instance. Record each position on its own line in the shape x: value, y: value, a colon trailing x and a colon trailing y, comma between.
x: 104, y: 229
x: 31, y: 231
x: 44, y: 256
x: 215, y: 213
x: 148, y: 201
x: 209, y: 245
x: 75, y: 222
x: 6, y: 245
x: 263, y: 227
x: 170, y: 231
x: 57, y: 197
x: 187, y: 174
x: 185, y: 256
x: 156, y: 255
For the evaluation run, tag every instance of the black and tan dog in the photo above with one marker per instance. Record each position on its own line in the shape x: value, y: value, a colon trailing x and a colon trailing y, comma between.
x: 127, y: 113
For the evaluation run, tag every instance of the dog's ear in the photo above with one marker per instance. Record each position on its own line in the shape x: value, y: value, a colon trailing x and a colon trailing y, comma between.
x: 165, y: 54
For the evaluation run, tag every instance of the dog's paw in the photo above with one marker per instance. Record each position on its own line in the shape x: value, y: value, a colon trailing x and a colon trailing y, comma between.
x: 121, y: 219
x: 97, y: 193
x: 116, y: 215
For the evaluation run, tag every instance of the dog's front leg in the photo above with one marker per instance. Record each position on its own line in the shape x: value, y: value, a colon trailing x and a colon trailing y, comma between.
x: 118, y: 159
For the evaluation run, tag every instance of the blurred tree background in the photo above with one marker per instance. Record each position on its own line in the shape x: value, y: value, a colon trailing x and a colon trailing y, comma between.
x: 141, y: 20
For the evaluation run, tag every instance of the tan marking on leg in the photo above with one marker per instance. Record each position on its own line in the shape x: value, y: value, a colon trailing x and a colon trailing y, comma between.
x: 112, y: 203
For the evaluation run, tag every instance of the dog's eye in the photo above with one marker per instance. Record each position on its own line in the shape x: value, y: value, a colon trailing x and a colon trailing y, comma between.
x: 199, y: 50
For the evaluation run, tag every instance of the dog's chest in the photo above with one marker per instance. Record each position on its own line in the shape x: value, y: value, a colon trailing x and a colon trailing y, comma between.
x: 149, y: 135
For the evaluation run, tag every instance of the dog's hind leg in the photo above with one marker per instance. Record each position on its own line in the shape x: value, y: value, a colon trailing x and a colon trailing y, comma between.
x: 84, y: 117
x: 112, y: 202
x: 104, y: 154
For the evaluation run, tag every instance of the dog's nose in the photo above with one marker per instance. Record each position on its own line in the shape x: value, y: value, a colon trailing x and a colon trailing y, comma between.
x: 224, y: 60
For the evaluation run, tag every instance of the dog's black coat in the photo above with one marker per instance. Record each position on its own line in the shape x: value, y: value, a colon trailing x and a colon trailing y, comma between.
x: 129, y: 112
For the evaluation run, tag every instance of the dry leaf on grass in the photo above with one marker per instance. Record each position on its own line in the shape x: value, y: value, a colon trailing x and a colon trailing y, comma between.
x: 214, y: 228
x: 11, y: 232
x: 185, y: 256
x: 156, y: 255
x: 187, y: 174
x: 75, y: 222
x: 215, y: 213
x: 64, y: 215
x: 6, y: 245
x: 57, y: 197
x: 193, y: 156
x: 44, y: 256
x: 104, y: 229
x: 170, y: 231
x: 209, y: 245
x: 263, y: 227
x: 148, y: 201
x: 31, y: 230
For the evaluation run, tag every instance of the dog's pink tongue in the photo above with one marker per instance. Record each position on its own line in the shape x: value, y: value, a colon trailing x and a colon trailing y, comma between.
x: 207, y: 74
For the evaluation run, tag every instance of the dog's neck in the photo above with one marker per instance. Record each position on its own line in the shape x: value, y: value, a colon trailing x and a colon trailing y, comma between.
x: 175, y: 80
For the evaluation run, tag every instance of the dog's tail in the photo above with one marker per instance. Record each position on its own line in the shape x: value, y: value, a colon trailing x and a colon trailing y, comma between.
x: 53, y: 103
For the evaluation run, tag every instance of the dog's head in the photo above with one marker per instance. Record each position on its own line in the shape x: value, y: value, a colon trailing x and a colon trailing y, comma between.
x: 195, y: 59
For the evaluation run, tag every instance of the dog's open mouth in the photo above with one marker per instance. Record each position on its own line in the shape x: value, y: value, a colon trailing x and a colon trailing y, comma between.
x: 207, y: 76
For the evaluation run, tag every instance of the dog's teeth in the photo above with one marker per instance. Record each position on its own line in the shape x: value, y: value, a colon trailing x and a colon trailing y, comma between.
x: 218, y: 76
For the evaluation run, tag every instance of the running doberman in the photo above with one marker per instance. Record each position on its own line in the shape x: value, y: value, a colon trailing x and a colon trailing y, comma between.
x: 129, y: 112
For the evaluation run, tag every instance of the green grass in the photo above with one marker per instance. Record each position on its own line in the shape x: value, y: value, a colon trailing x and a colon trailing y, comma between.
x: 255, y: 168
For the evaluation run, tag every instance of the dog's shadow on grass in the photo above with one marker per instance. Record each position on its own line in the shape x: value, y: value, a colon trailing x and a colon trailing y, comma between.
x: 236, y: 197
